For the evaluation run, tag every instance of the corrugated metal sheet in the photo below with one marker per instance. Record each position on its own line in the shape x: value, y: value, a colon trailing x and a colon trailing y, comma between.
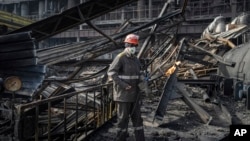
x: 18, y: 58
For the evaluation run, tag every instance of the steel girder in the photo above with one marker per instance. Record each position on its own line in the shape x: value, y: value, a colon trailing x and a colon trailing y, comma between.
x: 72, y: 17
x: 102, y: 46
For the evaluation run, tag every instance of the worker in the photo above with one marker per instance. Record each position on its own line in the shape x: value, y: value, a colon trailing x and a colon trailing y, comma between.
x: 125, y: 73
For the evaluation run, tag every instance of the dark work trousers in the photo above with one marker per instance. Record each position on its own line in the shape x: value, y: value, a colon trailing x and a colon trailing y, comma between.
x: 168, y: 90
x: 124, y: 111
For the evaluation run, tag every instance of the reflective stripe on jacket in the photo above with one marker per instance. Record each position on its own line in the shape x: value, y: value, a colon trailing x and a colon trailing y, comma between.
x: 125, y: 71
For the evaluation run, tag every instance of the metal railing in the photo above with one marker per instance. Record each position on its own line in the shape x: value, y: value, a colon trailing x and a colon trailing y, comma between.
x: 79, y: 113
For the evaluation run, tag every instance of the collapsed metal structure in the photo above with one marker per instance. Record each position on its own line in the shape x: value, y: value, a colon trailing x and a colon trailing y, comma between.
x: 228, y: 46
x: 59, y: 109
x: 75, y: 105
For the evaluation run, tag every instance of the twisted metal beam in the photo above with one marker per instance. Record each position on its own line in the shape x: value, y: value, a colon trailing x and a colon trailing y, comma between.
x: 72, y: 17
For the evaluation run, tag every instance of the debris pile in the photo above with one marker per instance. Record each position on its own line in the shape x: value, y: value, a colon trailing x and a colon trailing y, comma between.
x: 189, y: 81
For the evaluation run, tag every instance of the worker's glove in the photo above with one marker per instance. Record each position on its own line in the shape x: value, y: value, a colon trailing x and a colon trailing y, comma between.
x: 171, y: 70
x: 144, y: 87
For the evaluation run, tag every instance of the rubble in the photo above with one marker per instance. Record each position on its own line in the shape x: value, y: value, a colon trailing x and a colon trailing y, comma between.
x: 204, y: 103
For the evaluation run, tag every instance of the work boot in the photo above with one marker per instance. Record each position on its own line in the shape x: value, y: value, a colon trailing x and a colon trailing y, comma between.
x: 121, y: 136
x: 139, y: 135
x: 157, y: 121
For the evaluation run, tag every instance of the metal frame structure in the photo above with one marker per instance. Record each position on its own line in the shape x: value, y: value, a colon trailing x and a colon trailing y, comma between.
x: 58, y: 96
x: 72, y: 17
x: 82, y: 113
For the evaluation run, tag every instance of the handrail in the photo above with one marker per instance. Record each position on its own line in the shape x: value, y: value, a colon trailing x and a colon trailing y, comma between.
x: 92, y: 109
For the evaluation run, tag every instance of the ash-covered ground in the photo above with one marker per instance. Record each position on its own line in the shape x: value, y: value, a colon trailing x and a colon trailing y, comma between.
x: 182, y: 123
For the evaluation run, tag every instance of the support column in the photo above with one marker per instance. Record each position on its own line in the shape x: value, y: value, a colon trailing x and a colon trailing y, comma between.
x: 24, y: 9
x: 80, y: 26
x: 123, y: 14
x: 233, y: 8
x: 140, y: 9
x: 150, y: 9
x: 71, y: 3
x: 78, y: 36
x: 15, y: 8
x: 40, y: 8
x: 45, y: 6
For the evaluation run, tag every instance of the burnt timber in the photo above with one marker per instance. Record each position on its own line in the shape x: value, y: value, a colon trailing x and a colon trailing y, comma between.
x: 61, y: 109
